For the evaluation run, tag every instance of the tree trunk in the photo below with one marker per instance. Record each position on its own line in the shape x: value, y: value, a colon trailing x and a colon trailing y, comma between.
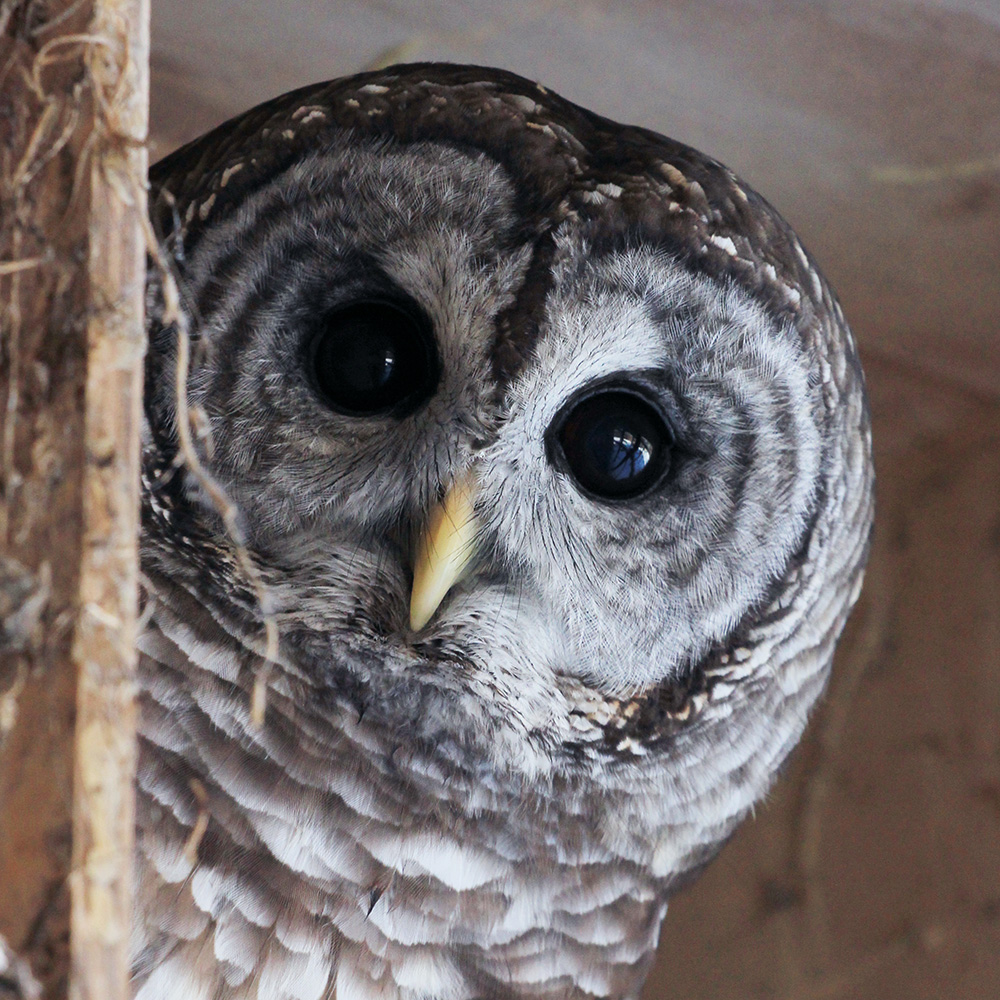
x: 73, y: 112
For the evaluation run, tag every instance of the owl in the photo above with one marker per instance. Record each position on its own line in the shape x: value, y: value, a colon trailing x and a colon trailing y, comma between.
x: 507, y: 483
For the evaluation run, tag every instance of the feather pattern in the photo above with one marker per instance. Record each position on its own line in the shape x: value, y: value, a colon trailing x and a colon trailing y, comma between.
x: 500, y: 804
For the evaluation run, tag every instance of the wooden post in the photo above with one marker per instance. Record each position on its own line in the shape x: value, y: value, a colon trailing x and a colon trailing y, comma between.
x: 73, y: 115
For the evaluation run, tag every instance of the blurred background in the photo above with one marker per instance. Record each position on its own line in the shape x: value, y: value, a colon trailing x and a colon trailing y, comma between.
x: 873, y: 870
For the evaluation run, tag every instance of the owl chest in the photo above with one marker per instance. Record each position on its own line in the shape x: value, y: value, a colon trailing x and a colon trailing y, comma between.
x: 289, y: 862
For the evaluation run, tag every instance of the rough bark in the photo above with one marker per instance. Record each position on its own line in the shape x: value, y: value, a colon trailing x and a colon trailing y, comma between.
x: 73, y: 99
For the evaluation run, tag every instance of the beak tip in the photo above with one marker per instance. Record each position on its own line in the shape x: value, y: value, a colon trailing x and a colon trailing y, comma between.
x: 418, y: 618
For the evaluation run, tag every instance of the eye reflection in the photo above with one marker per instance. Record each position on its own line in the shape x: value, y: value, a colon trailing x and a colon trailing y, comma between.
x: 629, y: 454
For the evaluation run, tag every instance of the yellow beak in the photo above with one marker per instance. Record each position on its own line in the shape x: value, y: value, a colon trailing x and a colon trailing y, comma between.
x: 444, y: 550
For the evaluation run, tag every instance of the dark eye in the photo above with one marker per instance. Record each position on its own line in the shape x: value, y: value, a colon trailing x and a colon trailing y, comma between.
x: 374, y: 357
x: 614, y: 443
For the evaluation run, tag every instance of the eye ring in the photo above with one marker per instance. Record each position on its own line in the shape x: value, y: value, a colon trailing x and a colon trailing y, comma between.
x: 374, y: 357
x: 613, y: 441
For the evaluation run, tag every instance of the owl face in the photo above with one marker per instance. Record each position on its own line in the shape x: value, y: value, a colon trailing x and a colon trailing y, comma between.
x: 640, y: 482
x: 438, y: 282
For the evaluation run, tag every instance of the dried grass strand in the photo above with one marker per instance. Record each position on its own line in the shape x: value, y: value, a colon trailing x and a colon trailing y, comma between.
x: 173, y: 315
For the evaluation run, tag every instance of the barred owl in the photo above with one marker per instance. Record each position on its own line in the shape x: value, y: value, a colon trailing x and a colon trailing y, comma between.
x: 543, y: 445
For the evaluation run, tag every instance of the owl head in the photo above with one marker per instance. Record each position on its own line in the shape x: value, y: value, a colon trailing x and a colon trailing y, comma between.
x: 545, y: 435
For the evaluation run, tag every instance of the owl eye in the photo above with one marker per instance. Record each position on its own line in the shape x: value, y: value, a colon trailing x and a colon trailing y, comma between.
x: 614, y: 443
x: 374, y: 357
